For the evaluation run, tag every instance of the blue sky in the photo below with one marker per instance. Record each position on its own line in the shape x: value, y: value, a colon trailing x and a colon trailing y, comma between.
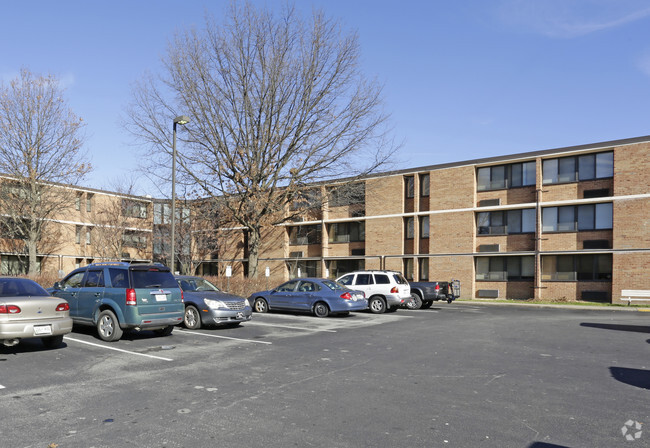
x: 463, y: 79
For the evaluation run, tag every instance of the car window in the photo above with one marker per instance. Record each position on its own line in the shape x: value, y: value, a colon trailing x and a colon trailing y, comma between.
x: 346, y: 280
x: 288, y: 286
x: 308, y: 287
x: 400, y: 279
x: 118, y: 278
x: 364, y: 279
x: 18, y: 287
x: 94, y: 279
x: 334, y: 286
x: 382, y: 279
x: 74, y: 280
x: 153, y: 279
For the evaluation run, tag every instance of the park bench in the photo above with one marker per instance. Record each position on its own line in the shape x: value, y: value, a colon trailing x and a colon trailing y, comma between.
x: 635, y: 295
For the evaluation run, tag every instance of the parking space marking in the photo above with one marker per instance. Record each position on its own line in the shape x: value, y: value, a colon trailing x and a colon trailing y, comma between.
x: 292, y: 327
x: 117, y: 349
x: 219, y: 336
x: 1, y: 386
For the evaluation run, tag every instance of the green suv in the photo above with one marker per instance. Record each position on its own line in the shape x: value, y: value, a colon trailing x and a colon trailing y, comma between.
x: 117, y: 296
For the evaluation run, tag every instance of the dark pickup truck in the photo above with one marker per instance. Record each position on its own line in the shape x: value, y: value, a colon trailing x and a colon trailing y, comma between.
x: 425, y: 293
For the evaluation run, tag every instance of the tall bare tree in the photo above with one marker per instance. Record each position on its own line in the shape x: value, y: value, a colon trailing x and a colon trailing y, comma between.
x: 276, y: 103
x: 40, y: 151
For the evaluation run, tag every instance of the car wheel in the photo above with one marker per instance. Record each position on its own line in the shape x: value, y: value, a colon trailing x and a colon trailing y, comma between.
x: 260, y: 305
x: 164, y: 331
x: 321, y: 310
x: 108, y: 327
x: 192, y: 319
x: 377, y: 305
x: 415, y: 303
x: 53, y: 341
x: 426, y: 305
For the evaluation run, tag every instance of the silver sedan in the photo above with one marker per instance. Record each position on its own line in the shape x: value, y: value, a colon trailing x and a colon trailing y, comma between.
x: 28, y: 311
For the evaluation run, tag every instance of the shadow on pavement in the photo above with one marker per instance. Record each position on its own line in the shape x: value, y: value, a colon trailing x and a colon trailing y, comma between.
x: 545, y: 445
x: 618, y: 327
x: 633, y: 377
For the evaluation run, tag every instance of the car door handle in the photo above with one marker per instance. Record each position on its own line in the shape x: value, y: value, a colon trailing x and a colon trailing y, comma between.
x: 98, y: 294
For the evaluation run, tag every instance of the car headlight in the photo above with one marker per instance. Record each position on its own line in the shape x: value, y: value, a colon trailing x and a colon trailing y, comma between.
x: 215, y: 304
x: 246, y: 302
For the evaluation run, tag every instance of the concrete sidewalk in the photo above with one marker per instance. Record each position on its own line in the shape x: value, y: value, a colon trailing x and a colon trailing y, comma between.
x: 489, y: 302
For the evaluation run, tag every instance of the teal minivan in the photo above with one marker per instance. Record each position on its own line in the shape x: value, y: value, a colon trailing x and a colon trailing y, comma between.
x: 118, y: 296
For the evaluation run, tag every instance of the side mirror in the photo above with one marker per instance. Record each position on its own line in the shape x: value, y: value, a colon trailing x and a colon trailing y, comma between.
x: 57, y: 285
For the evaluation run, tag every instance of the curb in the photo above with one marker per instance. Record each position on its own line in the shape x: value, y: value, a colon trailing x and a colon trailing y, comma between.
x: 549, y: 305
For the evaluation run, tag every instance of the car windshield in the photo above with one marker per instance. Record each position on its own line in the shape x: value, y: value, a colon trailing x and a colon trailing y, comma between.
x: 16, y: 287
x: 399, y: 279
x: 334, y: 286
x: 196, y: 284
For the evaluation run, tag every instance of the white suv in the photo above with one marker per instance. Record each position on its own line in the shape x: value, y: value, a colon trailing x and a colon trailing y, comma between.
x: 385, y: 290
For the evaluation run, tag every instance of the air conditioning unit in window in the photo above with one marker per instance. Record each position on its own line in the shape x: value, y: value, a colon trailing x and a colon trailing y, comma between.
x: 489, y: 202
x: 488, y: 248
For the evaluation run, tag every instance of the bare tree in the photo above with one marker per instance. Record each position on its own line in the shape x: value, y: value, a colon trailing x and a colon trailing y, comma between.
x: 276, y: 103
x: 40, y: 154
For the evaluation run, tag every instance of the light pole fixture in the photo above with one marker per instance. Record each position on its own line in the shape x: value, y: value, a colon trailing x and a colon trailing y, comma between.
x: 182, y: 120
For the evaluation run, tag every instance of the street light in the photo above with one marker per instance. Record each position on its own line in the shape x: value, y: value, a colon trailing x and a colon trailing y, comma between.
x: 182, y: 120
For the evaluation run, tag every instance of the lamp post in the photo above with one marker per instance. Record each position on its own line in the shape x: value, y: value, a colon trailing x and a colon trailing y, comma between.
x: 182, y: 120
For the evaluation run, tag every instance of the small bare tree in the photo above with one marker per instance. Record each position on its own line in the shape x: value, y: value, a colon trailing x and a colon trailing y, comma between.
x: 275, y: 103
x: 40, y: 154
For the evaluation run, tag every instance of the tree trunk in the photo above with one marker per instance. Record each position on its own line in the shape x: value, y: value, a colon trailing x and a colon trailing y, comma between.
x: 32, y: 259
x: 254, y: 241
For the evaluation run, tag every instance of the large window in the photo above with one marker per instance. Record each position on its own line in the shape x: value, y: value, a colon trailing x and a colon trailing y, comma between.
x: 424, y: 227
x: 424, y: 185
x: 409, y: 228
x: 571, y: 218
x: 134, y: 209
x: 505, y: 268
x: 572, y: 169
x: 300, y: 235
x: 132, y: 238
x: 409, y: 186
x: 506, y: 176
x: 424, y: 269
x: 347, y: 194
x: 346, y: 232
x: 590, y: 267
x: 506, y: 222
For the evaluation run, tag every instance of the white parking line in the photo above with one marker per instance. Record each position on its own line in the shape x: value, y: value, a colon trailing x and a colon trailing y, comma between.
x: 1, y: 386
x: 291, y: 327
x: 219, y: 336
x: 117, y: 349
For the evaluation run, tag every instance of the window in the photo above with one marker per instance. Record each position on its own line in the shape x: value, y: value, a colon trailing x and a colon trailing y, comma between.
x: 74, y: 281
x: 424, y: 227
x: 424, y: 185
x: 77, y: 236
x: 382, y: 279
x: 134, y: 209
x: 506, y: 222
x: 409, y: 228
x: 14, y: 265
x: 346, y: 232
x: 77, y: 202
x: 570, y: 218
x: 572, y: 169
x: 364, y: 279
x: 347, y: 194
x: 506, y: 176
x: 409, y: 186
x: 304, y: 235
x: 89, y: 202
x: 590, y: 267
x: 88, y: 237
x: 94, y: 279
x: 132, y: 238
x: 424, y: 269
x: 408, y: 268
x: 505, y: 268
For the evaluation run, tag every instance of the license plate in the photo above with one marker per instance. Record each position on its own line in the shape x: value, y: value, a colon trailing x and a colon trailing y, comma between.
x: 161, y: 297
x: 42, y: 329
x: 240, y: 315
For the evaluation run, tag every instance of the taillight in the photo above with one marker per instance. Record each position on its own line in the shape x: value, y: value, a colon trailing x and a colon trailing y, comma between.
x: 9, y: 309
x: 182, y: 296
x: 346, y: 296
x: 131, y: 297
x: 394, y: 290
x: 437, y: 287
x: 63, y: 307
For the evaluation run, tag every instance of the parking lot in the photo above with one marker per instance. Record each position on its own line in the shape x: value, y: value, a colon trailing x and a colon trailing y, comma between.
x: 455, y: 375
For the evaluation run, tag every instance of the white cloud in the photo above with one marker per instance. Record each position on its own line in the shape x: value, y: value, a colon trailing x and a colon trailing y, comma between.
x: 571, y: 18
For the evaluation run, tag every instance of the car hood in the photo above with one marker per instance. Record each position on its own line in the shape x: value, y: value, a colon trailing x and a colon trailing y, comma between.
x: 213, y: 295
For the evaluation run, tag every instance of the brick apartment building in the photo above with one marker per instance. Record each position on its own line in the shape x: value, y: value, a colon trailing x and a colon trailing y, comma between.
x: 568, y: 223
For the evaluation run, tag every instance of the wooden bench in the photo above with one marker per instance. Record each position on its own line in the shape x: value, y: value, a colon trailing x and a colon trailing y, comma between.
x: 634, y: 295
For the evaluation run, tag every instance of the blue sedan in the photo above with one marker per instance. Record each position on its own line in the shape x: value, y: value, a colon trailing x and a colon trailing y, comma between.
x: 315, y: 295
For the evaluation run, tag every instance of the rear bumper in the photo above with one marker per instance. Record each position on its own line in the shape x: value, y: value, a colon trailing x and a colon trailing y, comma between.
x: 25, y: 329
x: 349, y: 305
x: 154, y: 323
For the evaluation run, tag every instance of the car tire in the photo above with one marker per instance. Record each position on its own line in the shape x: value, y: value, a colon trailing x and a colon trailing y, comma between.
x: 415, y: 303
x: 192, y: 318
x: 426, y: 305
x: 164, y: 331
x: 108, y: 327
x: 260, y: 305
x: 53, y: 341
x: 321, y: 309
x: 376, y: 305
